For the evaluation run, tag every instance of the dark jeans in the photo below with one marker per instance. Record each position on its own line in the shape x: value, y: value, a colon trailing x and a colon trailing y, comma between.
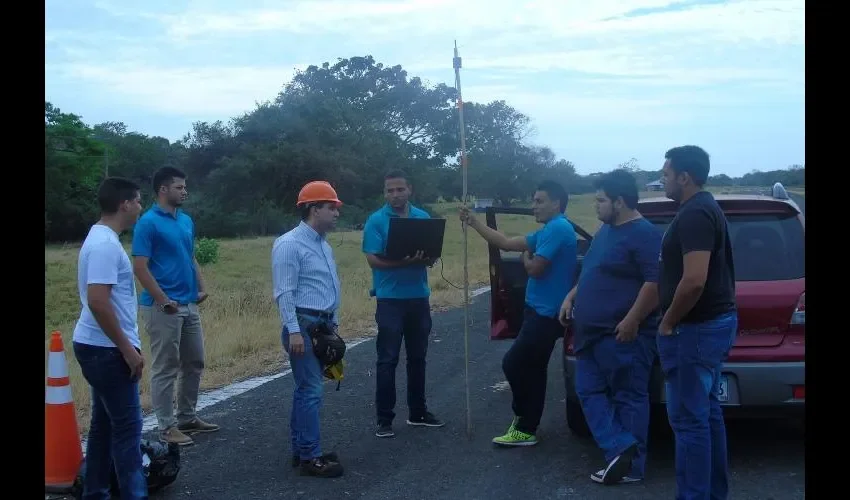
x: 612, y: 382
x: 526, y: 365
x: 692, y: 359
x: 115, y: 431
x: 410, y: 320
x: 304, y: 422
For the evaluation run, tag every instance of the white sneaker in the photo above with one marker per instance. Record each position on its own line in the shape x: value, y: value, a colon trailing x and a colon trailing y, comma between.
x: 598, y: 477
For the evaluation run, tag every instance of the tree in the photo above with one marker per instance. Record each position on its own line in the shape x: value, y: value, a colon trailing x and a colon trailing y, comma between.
x: 348, y: 122
x: 73, y: 168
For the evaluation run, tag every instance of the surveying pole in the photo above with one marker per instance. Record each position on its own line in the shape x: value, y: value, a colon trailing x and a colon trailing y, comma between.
x: 457, y: 65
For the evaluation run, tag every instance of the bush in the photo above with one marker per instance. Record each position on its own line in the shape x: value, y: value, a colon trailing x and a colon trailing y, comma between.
x: 206, y: 251
x: 351, y: 216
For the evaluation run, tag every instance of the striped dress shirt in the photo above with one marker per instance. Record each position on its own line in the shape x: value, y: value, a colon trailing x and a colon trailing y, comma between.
x: 304, y: 275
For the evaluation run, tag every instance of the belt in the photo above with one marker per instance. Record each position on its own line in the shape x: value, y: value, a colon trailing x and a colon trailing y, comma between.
x: 314, y: 312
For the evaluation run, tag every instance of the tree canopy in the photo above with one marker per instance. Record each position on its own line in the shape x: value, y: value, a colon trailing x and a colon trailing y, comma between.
x: 347, y: 123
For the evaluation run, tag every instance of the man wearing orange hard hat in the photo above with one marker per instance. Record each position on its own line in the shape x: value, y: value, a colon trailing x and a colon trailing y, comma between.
x: 307, y: 292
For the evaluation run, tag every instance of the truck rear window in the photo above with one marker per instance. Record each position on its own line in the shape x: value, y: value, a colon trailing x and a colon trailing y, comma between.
x: 764, y: 247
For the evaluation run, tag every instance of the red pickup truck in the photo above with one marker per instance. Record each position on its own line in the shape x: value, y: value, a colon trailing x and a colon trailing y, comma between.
x: 764, y: 376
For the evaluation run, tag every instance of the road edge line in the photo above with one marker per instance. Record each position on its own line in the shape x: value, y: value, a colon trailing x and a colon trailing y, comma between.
x: 215, y: 396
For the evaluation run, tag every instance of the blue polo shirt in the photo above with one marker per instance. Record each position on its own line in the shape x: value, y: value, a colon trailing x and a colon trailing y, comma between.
x: 620, y: 260
x: 555, y: 242
x: 168, y: 242
x: 401, y: 283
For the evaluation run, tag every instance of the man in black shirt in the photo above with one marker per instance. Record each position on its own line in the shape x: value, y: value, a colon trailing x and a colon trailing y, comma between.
x: 698, y: 324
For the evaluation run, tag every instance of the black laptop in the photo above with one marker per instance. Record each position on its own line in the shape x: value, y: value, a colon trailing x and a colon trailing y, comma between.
x: 408, y: 235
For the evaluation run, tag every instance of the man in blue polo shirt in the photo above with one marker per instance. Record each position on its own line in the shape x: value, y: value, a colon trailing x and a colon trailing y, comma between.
x: 164, y: 262
x: 403, y: 310
x: 549, y: 257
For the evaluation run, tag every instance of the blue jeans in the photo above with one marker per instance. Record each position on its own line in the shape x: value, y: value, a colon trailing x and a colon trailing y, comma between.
x: 115, y: 431
x: 304, y: 423
x: 692, y: 359
x: 408, y: 320
x: 612, y: 383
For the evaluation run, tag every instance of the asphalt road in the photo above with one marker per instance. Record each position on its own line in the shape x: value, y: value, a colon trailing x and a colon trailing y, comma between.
x: 249, y: 457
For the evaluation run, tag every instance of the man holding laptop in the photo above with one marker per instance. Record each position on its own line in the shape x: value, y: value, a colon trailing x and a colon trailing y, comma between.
x: 403, y: 309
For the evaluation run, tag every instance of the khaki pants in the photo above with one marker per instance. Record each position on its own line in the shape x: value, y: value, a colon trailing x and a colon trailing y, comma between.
x: 177, y: 348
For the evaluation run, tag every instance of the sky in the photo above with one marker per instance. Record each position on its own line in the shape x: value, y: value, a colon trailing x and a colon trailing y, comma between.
x: 602, y: 81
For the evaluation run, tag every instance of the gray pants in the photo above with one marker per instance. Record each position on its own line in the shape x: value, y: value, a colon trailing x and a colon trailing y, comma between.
x: 177, y: 348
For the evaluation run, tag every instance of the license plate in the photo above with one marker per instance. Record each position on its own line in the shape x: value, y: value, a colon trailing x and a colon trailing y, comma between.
x: 723, y: 395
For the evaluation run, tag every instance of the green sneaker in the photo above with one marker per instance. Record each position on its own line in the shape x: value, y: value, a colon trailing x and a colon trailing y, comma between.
x: 515, y: 437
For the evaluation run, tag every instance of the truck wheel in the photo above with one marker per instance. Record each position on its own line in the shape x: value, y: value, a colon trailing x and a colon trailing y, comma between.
x: 575, y: 419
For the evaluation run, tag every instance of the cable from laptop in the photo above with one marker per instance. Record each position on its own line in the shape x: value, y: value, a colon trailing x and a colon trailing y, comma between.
x: 444, y: 277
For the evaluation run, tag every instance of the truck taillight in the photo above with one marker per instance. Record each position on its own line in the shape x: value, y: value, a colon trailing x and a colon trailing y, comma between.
x: 799, y: 315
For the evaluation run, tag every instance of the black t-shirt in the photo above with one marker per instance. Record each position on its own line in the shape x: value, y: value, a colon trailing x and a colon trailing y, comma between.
x: 699, y: 225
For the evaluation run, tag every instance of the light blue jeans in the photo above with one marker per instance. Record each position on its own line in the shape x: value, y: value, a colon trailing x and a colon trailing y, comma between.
x: 692, y: 359
x: 304, y: 424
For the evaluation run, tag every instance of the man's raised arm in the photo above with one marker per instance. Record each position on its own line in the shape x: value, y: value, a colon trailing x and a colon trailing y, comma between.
x: 493, y: 237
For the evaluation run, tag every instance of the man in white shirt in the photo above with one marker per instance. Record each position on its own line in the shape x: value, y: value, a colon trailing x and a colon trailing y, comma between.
x: 107, y: 346
x: 307, y: 292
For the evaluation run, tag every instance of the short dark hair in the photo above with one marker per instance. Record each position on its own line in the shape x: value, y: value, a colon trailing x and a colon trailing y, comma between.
x: 692, y: 160
x: 619, y: 183
x: 304, y: 210
x: 164, y: 176
x: 556, y: 192
x: 114, y: 191
x: 396, y: 174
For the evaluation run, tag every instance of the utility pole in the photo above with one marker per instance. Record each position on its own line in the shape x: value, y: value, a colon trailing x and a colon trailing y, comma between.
x: 456, y: 63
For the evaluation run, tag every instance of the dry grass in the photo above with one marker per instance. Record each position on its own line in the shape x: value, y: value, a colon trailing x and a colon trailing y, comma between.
x: 241, y: 322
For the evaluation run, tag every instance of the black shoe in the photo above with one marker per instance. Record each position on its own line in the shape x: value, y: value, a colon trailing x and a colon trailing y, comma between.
x: 384, y: 431
x: 320, y: 467
x: 427, y: 419
x: 331, y: 457
x: 619, y: 466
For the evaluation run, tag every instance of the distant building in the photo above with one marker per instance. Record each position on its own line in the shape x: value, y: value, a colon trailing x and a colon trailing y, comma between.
x: 654, y: 186
x: 481, y: 204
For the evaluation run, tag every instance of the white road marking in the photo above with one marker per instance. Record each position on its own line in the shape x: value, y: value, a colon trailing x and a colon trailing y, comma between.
x: 215, y: 396
x: 501, y: 386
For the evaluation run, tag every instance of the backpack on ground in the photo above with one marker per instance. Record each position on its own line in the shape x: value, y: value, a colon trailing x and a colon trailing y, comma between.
x: 161, y: 464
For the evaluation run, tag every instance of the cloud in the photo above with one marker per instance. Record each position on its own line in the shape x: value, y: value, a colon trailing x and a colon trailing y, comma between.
x: 774, y: 21
x: 214, y: 91
x: 608, y: 38
x: 595, y: 61
x: 298, y: 17
x: 739, y: 21
x: 602, y: 108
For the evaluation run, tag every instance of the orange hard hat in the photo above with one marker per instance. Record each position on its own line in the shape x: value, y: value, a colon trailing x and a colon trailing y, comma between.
x: 317, y: 191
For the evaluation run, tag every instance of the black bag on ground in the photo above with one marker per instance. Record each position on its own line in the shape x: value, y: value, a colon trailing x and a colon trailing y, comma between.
x: 161, y: 464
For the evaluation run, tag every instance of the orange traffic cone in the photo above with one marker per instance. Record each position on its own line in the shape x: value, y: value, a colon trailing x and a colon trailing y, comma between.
x: 63, y: 453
